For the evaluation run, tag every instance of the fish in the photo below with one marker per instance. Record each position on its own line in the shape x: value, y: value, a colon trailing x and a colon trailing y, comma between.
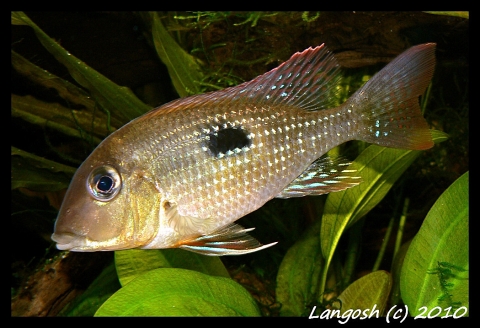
x: 180, y: 175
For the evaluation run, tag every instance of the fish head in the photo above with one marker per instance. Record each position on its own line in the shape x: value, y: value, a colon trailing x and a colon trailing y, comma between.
x: 111, y: 204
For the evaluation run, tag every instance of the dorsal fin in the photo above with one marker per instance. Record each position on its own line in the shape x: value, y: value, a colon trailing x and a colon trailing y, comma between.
x: 308, y: 80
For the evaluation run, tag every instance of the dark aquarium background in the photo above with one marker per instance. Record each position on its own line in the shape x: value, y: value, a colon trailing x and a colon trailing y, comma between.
x: 57, y: 122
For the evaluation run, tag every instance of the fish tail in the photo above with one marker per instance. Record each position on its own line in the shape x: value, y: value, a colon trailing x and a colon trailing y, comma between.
x: 390, y: 113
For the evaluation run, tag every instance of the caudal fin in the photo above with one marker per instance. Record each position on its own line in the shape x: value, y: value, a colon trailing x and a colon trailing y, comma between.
x: 390, y: 113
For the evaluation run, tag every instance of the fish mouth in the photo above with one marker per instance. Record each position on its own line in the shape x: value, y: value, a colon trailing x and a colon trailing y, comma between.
x: 67, y: 242
x: 78, y: 243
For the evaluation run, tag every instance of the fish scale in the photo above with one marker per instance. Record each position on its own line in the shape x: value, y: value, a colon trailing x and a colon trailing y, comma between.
x: 182, y: 174
x: 204, y: 186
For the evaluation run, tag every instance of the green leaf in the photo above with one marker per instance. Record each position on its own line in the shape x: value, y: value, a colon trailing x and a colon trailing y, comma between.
x: 114, y: 99
x: 78, y: 123
x: 435, y: 268
x: 183, y: 68
x: 462, y: 14
x: 379, y: 168
x: 96, y: 294
x: 297, y: 278
x: 397, y: 264
x: 37, y: 173
x: 132, y: 263
x: 68, y: 91
x: 58, y: 117
x: 180, y: 292
x: 367, y: 293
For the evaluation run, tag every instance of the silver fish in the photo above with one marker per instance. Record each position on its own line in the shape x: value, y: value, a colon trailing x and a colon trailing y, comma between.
x: 182, y: 174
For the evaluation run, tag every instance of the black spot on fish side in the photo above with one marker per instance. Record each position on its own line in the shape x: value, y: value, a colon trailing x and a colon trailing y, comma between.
x: 227, y: 139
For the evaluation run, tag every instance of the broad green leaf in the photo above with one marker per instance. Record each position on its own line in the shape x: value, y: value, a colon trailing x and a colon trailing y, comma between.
x: 96, y: 294
x: 114, y: 99
x: 379, y: 168
x: 135, y: 262
x: 297, y: 278
x: 367, y: 293
x: 37, y: 173
x: 180, y: 292
x: 435, y: 269
x: 183, y: 68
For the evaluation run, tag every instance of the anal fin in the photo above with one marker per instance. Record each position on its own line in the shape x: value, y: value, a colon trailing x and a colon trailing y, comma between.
x: 322, y: 177
x: 230, y: 240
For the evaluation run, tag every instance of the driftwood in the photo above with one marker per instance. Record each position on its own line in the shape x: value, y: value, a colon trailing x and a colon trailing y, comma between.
x: 55, y: 284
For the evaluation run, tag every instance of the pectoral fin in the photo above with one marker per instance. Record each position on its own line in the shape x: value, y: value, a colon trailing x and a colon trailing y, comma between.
x: 321, y: 177
x: 230, y: 240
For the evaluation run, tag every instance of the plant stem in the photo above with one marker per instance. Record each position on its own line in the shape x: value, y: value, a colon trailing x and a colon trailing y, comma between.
x: 381, y: 253
x: 401, y: 226
x: 354, y: 243
x: 425, y: 98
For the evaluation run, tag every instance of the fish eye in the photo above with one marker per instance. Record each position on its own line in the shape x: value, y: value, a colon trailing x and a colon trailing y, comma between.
x: 104, y: 183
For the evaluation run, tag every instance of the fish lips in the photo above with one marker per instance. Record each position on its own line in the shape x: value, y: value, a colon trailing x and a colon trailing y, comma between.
x: 67, y: 241
x: 76, y: 243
